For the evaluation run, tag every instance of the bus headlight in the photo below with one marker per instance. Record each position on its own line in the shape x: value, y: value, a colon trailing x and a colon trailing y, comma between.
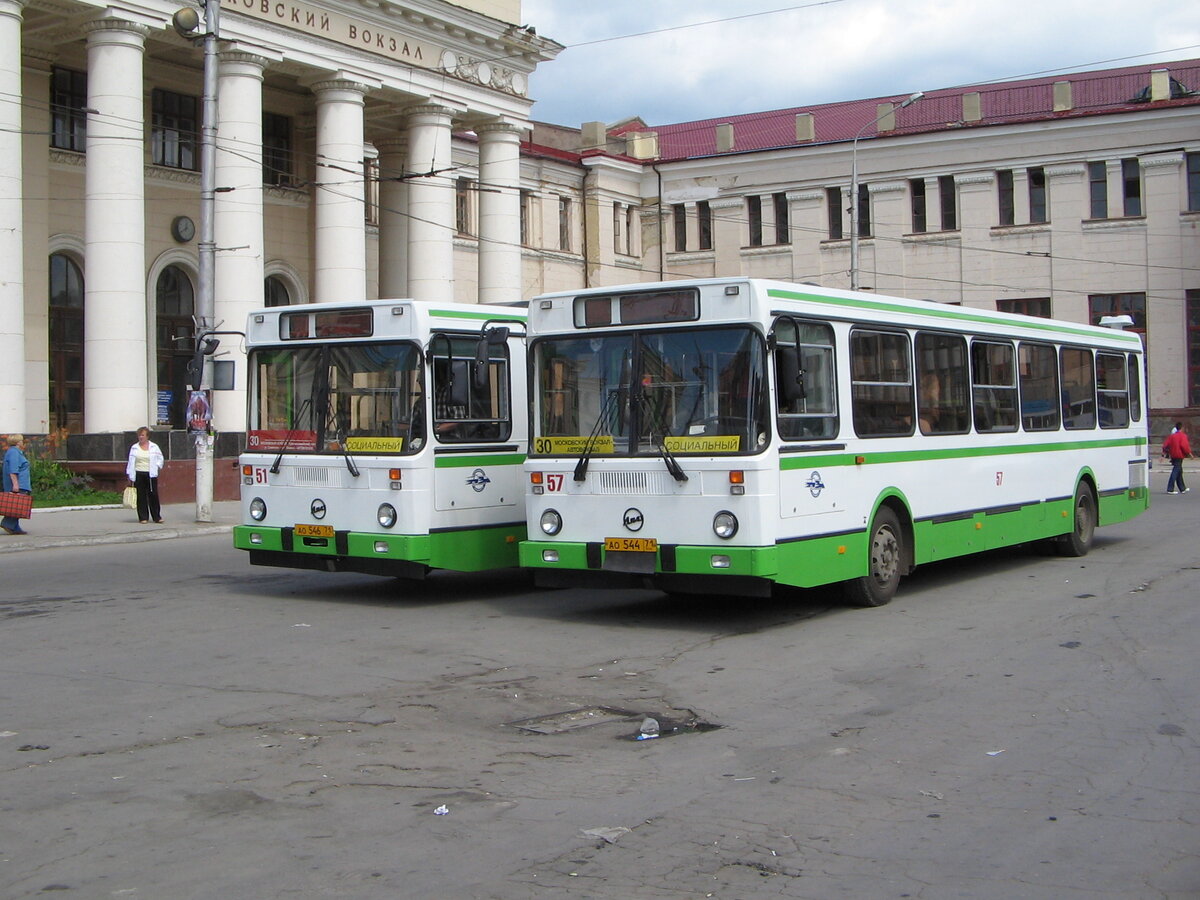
x: 386, y: 514
x: 725, y: 524
x: 551, y: 522
x: 258, y: 509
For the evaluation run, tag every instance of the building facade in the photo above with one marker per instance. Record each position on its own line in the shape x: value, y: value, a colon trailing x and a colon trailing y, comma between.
x: 388, y: 150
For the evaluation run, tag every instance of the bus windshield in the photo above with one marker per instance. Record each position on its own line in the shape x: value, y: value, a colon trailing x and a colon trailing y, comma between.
x: 687, y: 391
x: 343, y: 398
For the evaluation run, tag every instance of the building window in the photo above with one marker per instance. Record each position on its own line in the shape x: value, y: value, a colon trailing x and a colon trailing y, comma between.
x: 68, y: 98
x: 1130, y: 304
x: 526, y: 218
x: 916, y: 191
x: 1193, y: 182
x: 175, y: 339
x: 864, y: 211
x: 1004, y: 193
x: 1098, y: 190
x: 679, y: 220
x: 1131, y: 181
x: 1037, y: 195
x: 277, y: 149
x: 564, y: 223
x: 704, y: 222
x: 66, y: 337
x: 174, y: 128
x: 463, y: 223
x: 617, y: 220
x: 754, y: 214
x: 949, y: 202
x: 1025, y: 306
x: 631, y: 222
x: 275, y: 292
x: 783, y: 231
x: 833, y: 206
x: 371, y: 190
x: 1192, y: 298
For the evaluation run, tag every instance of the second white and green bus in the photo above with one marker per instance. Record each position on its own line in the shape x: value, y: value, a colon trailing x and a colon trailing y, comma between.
x: 728, y: 435
x: 381, y: 437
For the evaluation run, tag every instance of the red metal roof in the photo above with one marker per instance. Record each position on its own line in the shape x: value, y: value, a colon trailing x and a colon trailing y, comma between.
x: 1103, y: 92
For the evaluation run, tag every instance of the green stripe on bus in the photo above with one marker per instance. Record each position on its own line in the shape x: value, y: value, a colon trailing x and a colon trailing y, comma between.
x: 452, y: 314
x: 465, y: 462
x: 876, y: 457
x: 954, y: 314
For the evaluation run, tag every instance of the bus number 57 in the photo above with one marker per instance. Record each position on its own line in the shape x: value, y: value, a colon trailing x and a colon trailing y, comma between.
x: 554, y: 481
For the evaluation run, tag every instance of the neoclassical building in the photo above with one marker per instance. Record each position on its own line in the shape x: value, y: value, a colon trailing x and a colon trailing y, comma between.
x: 373, y: 149
x: 338, y: 176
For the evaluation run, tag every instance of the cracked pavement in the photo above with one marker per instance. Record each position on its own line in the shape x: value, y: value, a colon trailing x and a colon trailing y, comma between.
x: 178, y: 724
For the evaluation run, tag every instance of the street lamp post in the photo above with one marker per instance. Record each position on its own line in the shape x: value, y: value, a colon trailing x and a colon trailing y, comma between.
x: 186, y: 22
x: 909, y: 101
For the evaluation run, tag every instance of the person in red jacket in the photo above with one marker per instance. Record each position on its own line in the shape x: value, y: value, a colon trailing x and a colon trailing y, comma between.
x: 1177, y: 449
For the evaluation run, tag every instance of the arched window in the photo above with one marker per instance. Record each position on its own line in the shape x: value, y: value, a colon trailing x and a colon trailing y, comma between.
x: 66, y: 342
x: 174, y: 302
x: 275, y: 291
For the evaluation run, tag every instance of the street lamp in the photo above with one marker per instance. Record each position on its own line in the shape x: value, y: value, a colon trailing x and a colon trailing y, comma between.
x: 909, y: 101
x: 187, y: 22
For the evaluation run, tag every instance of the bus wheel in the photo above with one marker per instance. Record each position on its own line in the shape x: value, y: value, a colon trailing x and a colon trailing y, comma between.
x: 1078, y: 541
x: 886, y: 562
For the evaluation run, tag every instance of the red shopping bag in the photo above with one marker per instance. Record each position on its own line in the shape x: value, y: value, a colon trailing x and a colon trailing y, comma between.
x: 16, y: 506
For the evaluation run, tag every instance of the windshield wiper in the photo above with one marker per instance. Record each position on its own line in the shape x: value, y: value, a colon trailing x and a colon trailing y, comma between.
x: 668, y: 458
x: 274, y: 470
x: 581, y: 466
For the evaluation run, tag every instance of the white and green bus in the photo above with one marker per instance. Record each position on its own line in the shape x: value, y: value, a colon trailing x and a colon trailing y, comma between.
x: 727, y: 435
x: 381, y: 437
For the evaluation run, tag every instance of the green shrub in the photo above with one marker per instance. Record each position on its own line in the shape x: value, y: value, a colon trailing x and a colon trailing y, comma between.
x: 55, y: 485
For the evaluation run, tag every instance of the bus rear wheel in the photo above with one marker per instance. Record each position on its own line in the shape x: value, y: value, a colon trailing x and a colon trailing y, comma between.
x: 1078, y: 541
x: 886, y: 562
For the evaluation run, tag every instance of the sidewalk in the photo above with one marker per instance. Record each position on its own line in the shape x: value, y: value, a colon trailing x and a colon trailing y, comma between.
x: 73, y: 526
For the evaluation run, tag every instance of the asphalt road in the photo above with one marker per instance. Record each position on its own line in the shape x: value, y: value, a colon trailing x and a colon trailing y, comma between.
x: 177, y: 724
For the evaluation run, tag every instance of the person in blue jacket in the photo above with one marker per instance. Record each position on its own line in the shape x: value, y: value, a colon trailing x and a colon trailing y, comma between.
x: 16, y: 478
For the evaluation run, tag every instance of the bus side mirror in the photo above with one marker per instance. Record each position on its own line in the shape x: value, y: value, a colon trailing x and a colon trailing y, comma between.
x: 493, y: 337
x: 789, y: 374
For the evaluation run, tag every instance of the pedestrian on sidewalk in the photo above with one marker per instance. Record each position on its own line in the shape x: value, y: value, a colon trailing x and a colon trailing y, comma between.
x: 1176, y: 448
x: 16, y: 478
x: 145, y: 462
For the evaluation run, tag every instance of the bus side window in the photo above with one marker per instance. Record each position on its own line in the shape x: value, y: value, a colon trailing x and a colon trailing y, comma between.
x: 1037, y: 366
x: 1112, y: 393
x: 942, y: 384
x: 805, y: 380
x: 881, y: 383
x: 1135, y: 388
x: 994, y: 386
x: 1078, y: 388
x: 461, y: 410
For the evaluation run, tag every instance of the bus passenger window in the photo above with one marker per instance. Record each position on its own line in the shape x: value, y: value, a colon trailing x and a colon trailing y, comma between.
x: 1135, y: 388
x: 1038, y: 370
x: 1112, y: 394
x: 463, y: 411
x: 1078, y: 388
x: 993, y: 376
x: 881, y: 384
x: 942, y: 384
x: 806, y: 390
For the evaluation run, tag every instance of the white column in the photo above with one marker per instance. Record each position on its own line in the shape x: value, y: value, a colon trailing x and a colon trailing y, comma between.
x: 499, y: 212
x: 12, y: 279
x: 116, y: 392
x: 430, y: 205
x: 238, y: 217
x: 35, y: 244
x: 393, y: 219
x: 341, y: 231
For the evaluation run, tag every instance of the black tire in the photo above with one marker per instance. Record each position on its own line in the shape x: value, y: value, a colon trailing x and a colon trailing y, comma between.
x: 1078, y: 541
x: 886, y: 560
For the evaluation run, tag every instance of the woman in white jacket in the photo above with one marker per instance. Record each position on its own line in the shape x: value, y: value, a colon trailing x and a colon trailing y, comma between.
x: 145, y: 462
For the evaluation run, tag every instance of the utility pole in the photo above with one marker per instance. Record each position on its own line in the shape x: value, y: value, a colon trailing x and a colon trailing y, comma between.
x: 186, y: 21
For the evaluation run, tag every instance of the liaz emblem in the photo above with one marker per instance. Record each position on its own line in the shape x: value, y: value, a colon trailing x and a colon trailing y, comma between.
x: 814, y: 484
x: 478, y: 480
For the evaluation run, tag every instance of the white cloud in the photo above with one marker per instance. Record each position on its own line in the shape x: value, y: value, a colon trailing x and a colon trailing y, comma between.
x: 843, y: 50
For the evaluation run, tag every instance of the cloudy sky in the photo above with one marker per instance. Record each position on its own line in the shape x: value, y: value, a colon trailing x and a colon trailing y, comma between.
x: 769, y: 54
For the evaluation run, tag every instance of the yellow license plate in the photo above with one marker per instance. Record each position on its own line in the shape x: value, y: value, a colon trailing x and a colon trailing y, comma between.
x: 631, y: 545
x: 313, y: 531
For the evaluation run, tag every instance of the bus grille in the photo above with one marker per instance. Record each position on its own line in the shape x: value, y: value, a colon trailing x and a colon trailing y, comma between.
x: 316, y: 476
x: 630, y: 483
